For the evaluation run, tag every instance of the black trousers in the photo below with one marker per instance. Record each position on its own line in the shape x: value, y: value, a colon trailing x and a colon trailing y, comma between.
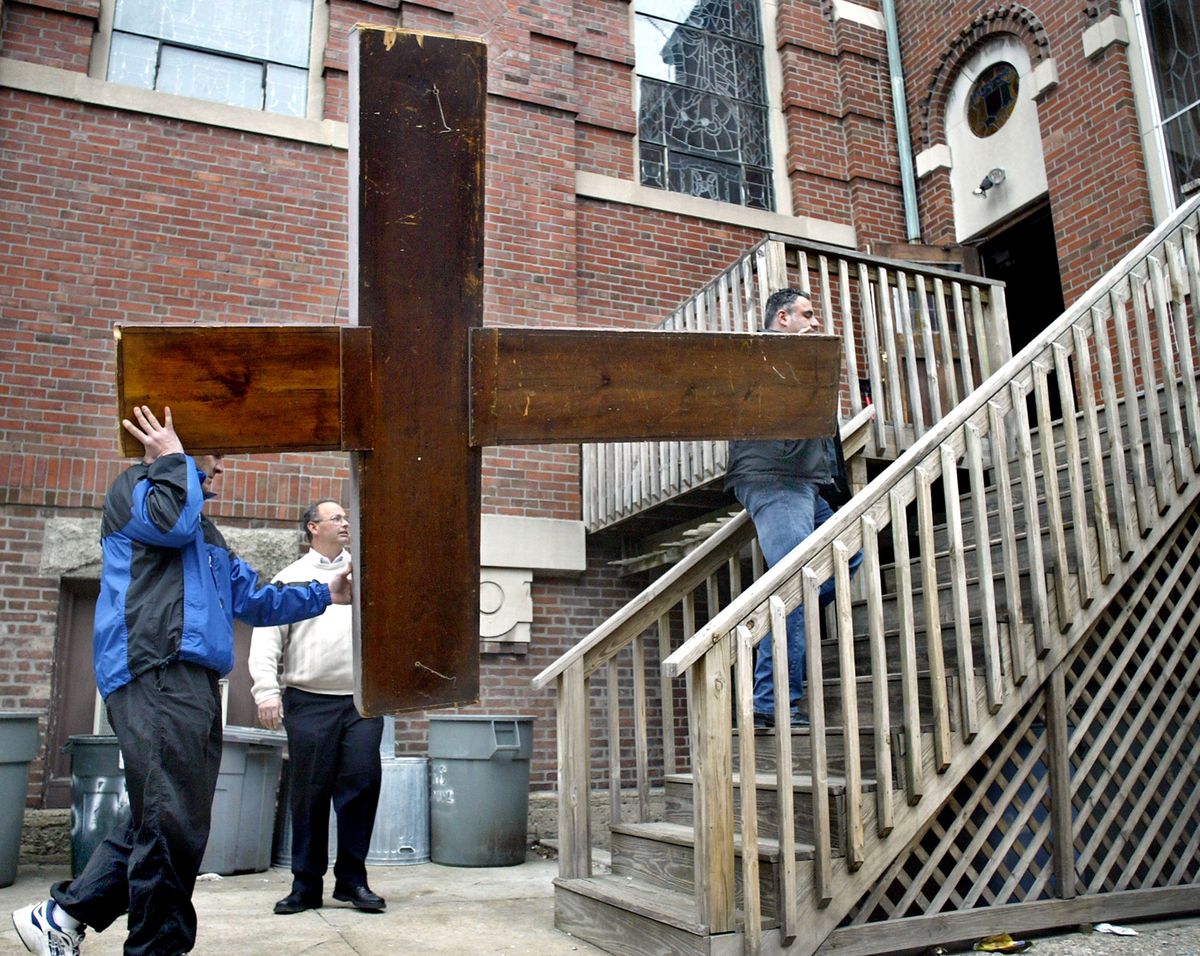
x: 333, y: 754
x: 168, y: 723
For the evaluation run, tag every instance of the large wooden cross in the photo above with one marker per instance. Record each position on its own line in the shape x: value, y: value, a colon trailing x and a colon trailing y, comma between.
x: 417, y: 386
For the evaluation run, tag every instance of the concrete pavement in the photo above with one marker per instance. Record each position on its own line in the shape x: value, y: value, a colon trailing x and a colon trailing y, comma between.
x: 432, y: 910
x: 462, y: 911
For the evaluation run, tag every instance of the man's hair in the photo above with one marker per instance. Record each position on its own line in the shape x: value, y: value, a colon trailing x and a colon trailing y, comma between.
x: 782, y: 299
x: 313, y: 513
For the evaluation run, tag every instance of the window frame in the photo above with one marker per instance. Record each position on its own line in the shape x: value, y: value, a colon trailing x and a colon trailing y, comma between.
x: 318, y: 38
x: 776, y: 125
x: 1164, y: 190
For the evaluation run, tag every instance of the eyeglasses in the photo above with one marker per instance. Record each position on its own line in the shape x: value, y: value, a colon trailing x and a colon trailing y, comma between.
x: 335, y: 519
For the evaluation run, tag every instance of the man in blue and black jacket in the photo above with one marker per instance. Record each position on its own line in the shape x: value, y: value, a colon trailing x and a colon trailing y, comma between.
x: 163, y: 636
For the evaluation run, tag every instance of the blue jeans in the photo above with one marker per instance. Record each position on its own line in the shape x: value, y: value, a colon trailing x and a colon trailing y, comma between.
x: 785, y: 512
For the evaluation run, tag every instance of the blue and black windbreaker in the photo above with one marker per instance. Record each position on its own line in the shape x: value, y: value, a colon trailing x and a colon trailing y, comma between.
x: 170, y: 586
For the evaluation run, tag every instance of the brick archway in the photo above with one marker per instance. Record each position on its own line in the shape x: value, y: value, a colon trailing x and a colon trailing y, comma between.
x: 1015, y: 20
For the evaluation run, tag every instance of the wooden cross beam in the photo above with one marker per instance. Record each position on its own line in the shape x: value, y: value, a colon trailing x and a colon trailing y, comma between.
x: 418, y: 386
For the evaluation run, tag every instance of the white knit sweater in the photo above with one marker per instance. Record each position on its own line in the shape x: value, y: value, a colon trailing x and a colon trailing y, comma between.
x: 314, y: 655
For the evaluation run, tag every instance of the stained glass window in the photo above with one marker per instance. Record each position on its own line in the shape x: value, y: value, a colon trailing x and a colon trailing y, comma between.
x: 1174, y: 30
x: 702, y: 115
x: 992, y: 99
x: 251, y: 53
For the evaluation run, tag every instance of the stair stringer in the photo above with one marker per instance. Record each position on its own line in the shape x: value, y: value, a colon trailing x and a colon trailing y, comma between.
x: 817, y: 923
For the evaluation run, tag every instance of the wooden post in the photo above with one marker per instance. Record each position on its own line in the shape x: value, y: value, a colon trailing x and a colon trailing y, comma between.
x: 574, y: 780
x: 416, y: 255
x: 712, y: 771
x: 1057, y: 755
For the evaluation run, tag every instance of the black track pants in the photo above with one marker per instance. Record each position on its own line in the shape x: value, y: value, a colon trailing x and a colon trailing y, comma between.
x: 168, y: 723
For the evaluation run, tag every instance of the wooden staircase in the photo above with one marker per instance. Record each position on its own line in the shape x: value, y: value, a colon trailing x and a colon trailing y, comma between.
x: 910, y: 686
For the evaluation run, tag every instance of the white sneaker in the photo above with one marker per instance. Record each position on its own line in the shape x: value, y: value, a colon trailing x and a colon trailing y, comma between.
x: 41, y: 930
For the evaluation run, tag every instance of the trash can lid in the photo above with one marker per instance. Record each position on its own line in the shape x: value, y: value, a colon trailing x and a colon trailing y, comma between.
x: 464, y: 717
x: 255, y: 735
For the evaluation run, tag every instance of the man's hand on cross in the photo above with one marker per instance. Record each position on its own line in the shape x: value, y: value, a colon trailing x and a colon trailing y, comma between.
x: 341, y: 589
x: 158, y: 440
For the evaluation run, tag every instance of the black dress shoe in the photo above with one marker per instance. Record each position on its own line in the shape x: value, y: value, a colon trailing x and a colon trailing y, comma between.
x: 360, y: 898
x: 296, y: 903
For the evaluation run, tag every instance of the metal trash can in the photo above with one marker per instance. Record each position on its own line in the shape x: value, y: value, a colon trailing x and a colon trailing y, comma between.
x: 479, y: 789
x: 18, y: 745
x: 243, y: 813
x: 98, y: 796
x: 401, y: 834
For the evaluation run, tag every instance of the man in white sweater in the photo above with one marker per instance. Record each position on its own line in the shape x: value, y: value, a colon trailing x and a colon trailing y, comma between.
x: 304, y: 676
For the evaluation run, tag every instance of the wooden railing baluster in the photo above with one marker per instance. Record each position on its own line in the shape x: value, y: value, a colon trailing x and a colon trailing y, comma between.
x: 910, y: 707
x: 1106, y: 543
x: 1158, y: 452
x: 614, y: 742
x: 666, y: 691
x: 1033, y: 522
x: 1085, y: 573
x: 949, y: 375
x: 784, y: 798
x: 1166, y: 362
x: 880, y: 706
x: 870, y: 324
x: 815, y: 692
x: 1054, y: 513
x: 641, y: 741
x: 849, y: 345
x: 932, y: 378
x: 751, y: 903
x: 916, y: 410
x: 997, y: 432
x: 965, y: 655
x: 849, y: 686
x: 992, y: 662
x: 934, y: 653
x: 1180, y: 285
x: 964, y: 342
x: 1140, y: 471
x: 891, y: 358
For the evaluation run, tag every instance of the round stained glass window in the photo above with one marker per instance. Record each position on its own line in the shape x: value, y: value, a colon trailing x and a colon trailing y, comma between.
x: 992, y: 98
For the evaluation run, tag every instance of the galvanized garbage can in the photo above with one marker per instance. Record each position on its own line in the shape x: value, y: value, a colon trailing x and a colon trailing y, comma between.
x: 98, y: 797
x: 479, y: 789
x: 243, y: 813
x: 401, y: 834
x: 18, y: 744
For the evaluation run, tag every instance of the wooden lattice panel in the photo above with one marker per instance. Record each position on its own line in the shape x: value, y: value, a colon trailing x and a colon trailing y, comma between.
x: 1133, y: 699
x: 1133, y: 693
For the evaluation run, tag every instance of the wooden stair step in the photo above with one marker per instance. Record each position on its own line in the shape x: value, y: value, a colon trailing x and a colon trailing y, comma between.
x: 664, y: 854
x: 628, y: 916
x: 681, y: 834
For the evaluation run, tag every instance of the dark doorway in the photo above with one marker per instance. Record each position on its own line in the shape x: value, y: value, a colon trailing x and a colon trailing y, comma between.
x: 1024, y: 257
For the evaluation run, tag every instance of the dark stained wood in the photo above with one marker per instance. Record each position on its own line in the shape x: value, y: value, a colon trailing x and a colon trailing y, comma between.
x: 358, y: 424
x: 416, y: 234
x: 575, y: 385
x: 233, y: 389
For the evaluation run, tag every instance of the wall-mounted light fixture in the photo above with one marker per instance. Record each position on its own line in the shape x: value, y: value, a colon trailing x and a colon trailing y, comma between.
x: 993, y: 178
